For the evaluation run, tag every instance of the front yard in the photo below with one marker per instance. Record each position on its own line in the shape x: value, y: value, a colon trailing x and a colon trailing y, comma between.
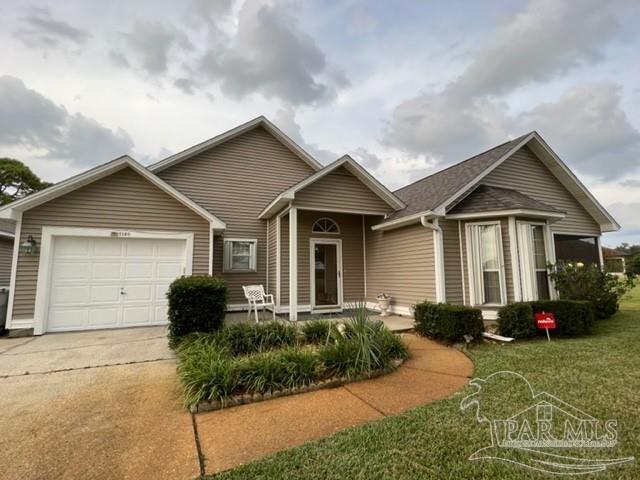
x: 599, y: 374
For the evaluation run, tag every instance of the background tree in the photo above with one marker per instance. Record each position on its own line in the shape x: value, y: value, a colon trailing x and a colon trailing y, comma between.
x: 17, y: 180
x: 633, y: 266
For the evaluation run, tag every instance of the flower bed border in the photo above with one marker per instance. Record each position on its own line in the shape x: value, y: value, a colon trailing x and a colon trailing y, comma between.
x: 247, y: 398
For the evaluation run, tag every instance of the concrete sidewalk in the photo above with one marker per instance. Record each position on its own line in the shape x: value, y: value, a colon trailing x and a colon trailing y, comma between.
x: 234, y: 436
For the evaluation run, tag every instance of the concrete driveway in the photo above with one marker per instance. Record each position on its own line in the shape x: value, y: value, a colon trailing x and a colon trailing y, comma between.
x: 93, y: 405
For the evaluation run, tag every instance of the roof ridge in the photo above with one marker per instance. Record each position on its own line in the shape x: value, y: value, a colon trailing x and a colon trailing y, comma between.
x: 463, y: 161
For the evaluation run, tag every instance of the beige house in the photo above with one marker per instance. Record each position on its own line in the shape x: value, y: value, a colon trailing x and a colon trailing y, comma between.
x: 98, y: 250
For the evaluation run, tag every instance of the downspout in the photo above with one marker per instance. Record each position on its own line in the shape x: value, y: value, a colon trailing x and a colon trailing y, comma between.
x: 433, y: 223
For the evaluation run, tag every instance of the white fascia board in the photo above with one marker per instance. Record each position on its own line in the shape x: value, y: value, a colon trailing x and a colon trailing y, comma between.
x: 353, y: 167
x: 11, y: 210
x: 506, y: 213
x: 230, y: 134
x: 8, y: 235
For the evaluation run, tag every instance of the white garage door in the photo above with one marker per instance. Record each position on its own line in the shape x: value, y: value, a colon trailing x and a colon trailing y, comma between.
x: 111, y: 282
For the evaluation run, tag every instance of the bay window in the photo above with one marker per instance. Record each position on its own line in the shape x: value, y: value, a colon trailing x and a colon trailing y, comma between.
x: 485, y: 257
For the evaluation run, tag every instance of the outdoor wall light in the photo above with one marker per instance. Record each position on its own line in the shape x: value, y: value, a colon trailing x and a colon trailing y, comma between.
x: 29, y: 246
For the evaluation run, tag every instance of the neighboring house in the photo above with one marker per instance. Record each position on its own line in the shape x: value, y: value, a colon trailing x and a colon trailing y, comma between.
x: 615, y: 261
x: 254, y: 207
x: 6, y: 252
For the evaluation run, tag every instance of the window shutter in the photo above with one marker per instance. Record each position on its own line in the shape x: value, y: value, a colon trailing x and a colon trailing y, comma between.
x: 228, y: 249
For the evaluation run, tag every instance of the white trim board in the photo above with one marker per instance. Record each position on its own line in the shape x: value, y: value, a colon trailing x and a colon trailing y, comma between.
x: 354, y: 168
x: 506, y: 213
x: 234, y: 132
x: 46, y: 256
x: 14, y: 271
x: 11, y: 210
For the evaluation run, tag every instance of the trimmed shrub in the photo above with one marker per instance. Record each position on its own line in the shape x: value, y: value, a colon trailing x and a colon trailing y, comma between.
x: 573, y: 317
x: 196, y: 304
x: 589, y: 282
x: 277, y: 370
x: 317, y: 331
x: 516, y: 320
x: 448, y: 322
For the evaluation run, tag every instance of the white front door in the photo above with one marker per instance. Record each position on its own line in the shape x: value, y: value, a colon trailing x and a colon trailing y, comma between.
x: 111, y: 282
x: 326, y: 274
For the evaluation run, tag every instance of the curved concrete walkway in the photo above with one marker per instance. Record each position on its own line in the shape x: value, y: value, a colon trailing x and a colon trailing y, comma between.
x: 237, y: 435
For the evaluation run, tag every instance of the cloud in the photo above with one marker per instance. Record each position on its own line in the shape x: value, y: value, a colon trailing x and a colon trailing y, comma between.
x: 632, y: 183
x: 285, y: 120
x: 540, y: 43
x: 367, y: 159
x: 149, y: 45
x: 588, y: 127
x: 30, y: 120
x: 627, y: 215
x: 41, y: 30
x: 268, y: 54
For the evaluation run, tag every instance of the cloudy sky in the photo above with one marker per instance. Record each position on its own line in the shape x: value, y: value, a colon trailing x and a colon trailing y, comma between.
x: 405, y: 87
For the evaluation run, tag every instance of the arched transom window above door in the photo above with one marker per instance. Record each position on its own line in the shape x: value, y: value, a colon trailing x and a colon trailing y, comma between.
x: 325, y: 225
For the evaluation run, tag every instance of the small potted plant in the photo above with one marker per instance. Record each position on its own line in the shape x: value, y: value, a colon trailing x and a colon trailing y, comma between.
x: 383, y: 304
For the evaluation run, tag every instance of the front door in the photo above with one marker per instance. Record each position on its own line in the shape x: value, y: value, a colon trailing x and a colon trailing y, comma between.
x: 326, y: 274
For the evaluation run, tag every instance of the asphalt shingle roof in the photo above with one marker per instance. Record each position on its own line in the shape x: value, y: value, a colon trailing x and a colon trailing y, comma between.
x: 486, y: 198
x: 429, y: 192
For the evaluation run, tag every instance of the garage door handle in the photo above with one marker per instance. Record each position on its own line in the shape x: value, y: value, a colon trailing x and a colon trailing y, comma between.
x: 122, y: 292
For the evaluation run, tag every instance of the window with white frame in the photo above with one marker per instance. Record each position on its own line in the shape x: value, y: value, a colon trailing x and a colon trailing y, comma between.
x: 325, y: 225
x: 485, y: 258
x: 240, y: 255
x: 533, y: 258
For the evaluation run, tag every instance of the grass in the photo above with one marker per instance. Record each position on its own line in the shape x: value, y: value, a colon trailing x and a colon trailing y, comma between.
x: 599, y: 374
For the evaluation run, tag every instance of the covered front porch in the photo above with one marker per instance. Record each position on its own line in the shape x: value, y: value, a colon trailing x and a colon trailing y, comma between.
x: 395, y: 323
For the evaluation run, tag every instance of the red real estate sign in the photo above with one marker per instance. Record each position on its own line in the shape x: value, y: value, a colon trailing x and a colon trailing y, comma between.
x: 545, y: 320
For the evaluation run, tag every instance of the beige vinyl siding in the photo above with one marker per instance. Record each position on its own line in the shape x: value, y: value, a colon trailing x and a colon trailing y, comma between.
x: 6, y: 255
x: 524, y: 172
x: 452, y: 265
x: 506, y: 250
x: 352, y: 255
x: 236, y: 181
x: 341, y: 190
x: 122, y: 201
x: 400, y: 263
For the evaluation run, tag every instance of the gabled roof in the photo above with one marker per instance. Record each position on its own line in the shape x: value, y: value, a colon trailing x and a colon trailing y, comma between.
x: 260, y: 121
x: 12, y: 210
x: 485, y: 198
x: 353, y: 167
x: 432, y: 195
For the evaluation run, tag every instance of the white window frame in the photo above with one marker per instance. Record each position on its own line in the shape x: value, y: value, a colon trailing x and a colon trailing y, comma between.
x: 227, y: 252
x: 313, y: 231
x: 526, y: 259
x: 473, y: 288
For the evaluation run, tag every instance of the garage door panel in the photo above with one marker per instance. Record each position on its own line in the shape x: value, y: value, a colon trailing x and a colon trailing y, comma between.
x: 111, y: 282
x: 171, y: 248
x: 73, y: 247
x: 67, y: 319
x: 107, y: 247
x: 140, y: 248
x: 72, y: 270
x: 104, y: 293
x: 65, y: 294
x: 138, y: 271
x: 104, y: 317
x: 137, y: 315
x: 106, y: 271
x: 169, y: 271
x: 138, y: 292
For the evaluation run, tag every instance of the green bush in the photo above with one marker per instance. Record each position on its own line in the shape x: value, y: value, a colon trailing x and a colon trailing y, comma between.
x: 590, y: 283
x: 573, y: 317
x: 206, y: 372
x: 277, y: 370
x: 196, y: 304
x: 516, y: 320
x: 317, y: 331
x: 448, y: 322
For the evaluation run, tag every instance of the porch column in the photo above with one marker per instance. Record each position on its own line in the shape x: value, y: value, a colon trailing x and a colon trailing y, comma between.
x: 293, y: 264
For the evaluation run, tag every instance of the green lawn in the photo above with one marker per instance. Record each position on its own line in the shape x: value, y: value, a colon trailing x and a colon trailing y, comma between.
x: 599, y: 374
